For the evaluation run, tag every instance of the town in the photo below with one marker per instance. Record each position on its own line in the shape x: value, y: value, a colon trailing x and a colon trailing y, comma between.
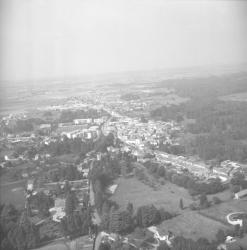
x: 70, y: 172
x: 123, y: 125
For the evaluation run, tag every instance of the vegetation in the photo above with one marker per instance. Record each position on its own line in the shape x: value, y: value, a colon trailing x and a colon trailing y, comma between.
x: 185, y: 180
x: 130, y: 97
x: 17, y: 230
x: 69, y: 115
x: 76, y: 223
x: 220, y: 127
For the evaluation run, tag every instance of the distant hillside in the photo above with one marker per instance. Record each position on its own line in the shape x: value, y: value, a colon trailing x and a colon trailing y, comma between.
x: 220, y: 128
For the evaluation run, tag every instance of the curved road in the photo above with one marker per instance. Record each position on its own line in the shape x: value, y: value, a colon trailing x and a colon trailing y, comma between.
x: 233, y: 221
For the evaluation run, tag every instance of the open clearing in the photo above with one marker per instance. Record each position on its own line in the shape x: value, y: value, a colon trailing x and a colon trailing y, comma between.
x: 55, y: 246
x: 82, y: 242
x: 220, y: 211
x: 13, y: 193
x: 192, y: 225
x: 167, y: 196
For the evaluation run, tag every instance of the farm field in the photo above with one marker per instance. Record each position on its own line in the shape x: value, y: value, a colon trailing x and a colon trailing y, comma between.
x: 189, y: 225
x: 13, y: 193
x: 220, y: 211
x: 60, y: 246
x: 226, y: 195
x: 167, y: 196
x: 68, y: 158
x: 82, y: 242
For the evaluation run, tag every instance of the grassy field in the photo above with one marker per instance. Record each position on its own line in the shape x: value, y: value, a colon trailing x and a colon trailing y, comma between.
x: 167, y: 196
x: 60, y: 246
x: 220, y: 211
x: 13, y: 193
x: 68, y: 158
x: 223, y: 196
x: 192, y: 225
x: 82, y: 242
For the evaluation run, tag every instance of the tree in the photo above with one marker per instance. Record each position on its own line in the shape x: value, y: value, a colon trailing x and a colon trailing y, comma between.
x: 235, y: 188
x: 115, y: 221
x: 42, y: 202
x: 147, y: 216
x: 204, y: 201
x: 161, y: 171
x: 63, y: 227
x: 164, y: 215
x: 126, y: 222
x: 163, y: 246
x: 130, y: 208
x: 237, y: 179
x: 25, y: 235
x: 181, y: 205
x: 58, y: 189
x: 244, y: 225
x: 66, y: 187
x: 71, y: 203
x: 220, y: 236
x: 105, y: 246
x: 216, y: 200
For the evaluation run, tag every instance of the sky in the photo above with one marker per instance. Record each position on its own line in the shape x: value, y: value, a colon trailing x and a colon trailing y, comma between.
x: 64, y: 38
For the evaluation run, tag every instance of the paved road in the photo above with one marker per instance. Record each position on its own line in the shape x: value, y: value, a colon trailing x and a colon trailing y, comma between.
x: 230, y: 218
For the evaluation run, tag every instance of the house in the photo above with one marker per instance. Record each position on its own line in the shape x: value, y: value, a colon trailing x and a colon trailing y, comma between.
x: 30, y: 185
x: 112, y: 188
x: 82, y: 121
x: 58, y: 210
x: 98, y: 120
x: 235, y: 244
x: 85, y: 172
x: 45, y: 128
x: 241, y: 194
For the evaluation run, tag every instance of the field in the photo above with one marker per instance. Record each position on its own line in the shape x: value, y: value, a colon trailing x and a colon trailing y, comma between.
x: 220, y: 211
x: 167, y: 196
x: 223, y: 196
x: 68, y: 158
x: 82, y: 242
x: 13, y: 193
x: 192, y: 225
x: 60, y: 246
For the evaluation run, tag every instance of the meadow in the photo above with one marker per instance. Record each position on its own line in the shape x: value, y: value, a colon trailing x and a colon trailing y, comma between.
x: 166, y: 196
x: 187, y: 223
x: 13, y: 193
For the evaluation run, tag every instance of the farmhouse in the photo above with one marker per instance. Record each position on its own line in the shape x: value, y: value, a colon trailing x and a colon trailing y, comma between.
x: 58, y: 210
x: 241, y: 194
x: 45, y: 128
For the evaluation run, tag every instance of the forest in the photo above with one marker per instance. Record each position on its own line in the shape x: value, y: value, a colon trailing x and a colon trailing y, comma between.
x: 216, y: 129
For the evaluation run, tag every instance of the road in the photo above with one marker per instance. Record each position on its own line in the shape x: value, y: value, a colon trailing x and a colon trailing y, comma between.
x: 96, y: 218
x: 231, y: 218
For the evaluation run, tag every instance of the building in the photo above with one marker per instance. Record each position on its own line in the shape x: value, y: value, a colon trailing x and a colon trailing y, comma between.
x: 30, y: 185
x: 82, y: 121
x: 241, y: 194
x: 58, y: 210
x: 45, y: 128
